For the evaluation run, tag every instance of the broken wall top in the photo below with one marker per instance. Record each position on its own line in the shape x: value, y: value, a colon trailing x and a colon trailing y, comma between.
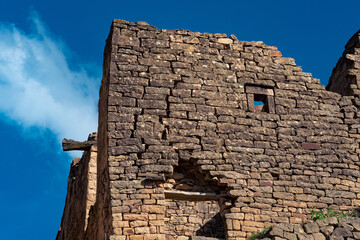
x: 345, y: 78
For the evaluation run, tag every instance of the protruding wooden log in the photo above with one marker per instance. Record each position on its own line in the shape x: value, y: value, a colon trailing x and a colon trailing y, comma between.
x: 193, y: 196
x: 69, y: 145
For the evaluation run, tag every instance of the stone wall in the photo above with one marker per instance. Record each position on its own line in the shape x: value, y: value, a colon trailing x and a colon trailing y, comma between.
x: 81, y: 195
x: 347, y: 228
x: 181, y: 135
x: 100, y: 219
x: 190, y: 218
x: 345, y: 78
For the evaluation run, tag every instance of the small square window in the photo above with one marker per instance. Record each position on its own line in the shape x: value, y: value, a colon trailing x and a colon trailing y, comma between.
x: 260, y: 104
x: 260, y: 99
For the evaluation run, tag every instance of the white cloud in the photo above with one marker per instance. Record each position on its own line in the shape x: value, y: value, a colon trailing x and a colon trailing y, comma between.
x: 38, y: 88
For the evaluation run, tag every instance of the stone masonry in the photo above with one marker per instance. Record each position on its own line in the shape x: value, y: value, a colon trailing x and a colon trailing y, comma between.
x: 205, y: 135
x: 331, y: 228
x: 81, y: 195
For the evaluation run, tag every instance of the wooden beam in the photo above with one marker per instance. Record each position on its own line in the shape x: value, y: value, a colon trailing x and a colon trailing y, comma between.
x: 69, y: 145
x: 192, y: 196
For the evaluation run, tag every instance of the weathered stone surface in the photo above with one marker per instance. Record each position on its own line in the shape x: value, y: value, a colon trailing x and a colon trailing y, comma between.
x: 341, y: 232
x: 327, y: 230
x: 319, y: 236
x: 277, y: 232
x: 311, y: 146
x: 202, y: 238
x: 311, y: 228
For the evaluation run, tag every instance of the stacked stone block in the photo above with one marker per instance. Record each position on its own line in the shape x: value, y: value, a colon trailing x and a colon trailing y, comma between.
x: 345, y: 78
x: 329, y: 228
x: 81, y: 195
x: 190, y: 218
x: 175, y: 99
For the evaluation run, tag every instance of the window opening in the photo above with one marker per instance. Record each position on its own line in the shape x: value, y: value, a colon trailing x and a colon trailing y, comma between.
x: 260, y: 99
x: 260, y: 104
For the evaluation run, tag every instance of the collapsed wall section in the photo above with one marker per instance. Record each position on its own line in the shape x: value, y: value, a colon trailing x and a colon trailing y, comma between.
x: 193, y: 218
x: 193, y: 204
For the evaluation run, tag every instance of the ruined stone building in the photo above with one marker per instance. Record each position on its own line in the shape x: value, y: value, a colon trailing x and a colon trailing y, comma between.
x: 205, y: 135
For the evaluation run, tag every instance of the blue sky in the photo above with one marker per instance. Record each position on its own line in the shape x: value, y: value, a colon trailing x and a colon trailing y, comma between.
x: 50, y: 72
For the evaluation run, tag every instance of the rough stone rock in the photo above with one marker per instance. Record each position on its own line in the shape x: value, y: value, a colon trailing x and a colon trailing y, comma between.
x: 319, y: 236
x: 311, y: 228
x: 327, y: 230
x: 341, y: 232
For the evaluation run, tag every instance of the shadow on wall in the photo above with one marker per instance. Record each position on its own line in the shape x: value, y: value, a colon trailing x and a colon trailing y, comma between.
x: 213, y: 228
